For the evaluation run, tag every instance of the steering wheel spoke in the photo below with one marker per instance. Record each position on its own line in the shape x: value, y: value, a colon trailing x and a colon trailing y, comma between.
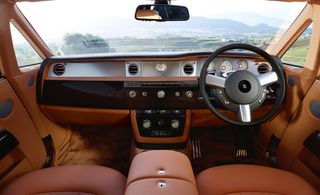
x: 268, y: 78
x: 244, y: 113
x: 215, y: 81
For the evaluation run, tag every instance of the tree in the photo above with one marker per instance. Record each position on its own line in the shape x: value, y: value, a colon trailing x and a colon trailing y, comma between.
x: 76, y: 43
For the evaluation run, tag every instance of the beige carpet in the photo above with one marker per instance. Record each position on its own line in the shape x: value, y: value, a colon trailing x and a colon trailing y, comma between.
x: 105, y: 146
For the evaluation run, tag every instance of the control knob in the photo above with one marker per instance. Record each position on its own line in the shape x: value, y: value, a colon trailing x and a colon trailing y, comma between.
x: 189, y: 94
x: 146, y: 123
x: 161, y: 94
x: 175, y: 124
x: 132, y: 94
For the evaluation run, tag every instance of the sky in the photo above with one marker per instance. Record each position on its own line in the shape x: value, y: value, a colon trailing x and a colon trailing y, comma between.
x: 125, y: 9
x: 52, y: 19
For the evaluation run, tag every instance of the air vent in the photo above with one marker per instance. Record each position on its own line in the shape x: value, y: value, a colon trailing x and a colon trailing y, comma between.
x: 59, y: 69
x: 133, y: 69
x: 263, y: 68
x: 188, y: 69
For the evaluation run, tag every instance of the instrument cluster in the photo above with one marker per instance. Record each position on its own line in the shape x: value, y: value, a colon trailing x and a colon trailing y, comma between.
x: 230, y: 65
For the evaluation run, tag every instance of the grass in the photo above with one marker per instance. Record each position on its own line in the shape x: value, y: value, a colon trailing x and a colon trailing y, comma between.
x: 297, y: 53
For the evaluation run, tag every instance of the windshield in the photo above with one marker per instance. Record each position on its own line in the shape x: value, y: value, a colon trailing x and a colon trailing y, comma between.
x: 96, y: 26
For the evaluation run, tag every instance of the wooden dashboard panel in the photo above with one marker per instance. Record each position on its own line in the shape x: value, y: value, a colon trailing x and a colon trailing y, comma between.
x: 88, y: 116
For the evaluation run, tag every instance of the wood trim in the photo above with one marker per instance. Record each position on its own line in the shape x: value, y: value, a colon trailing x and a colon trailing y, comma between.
x: 87, y: 116
x: 152, y: 140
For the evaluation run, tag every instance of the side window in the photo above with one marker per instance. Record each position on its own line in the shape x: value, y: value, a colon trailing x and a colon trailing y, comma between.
x: 296, y: 55
x: 26, y: 55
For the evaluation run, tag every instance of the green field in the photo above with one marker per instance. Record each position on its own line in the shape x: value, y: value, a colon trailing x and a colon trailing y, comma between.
x: 297, y: 53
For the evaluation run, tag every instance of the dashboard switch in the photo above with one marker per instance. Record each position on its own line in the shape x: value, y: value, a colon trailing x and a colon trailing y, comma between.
x: 161, y: 122
x: 175, y: 124
x: 132, y: 94
x: 161, y: 94
x: 189, y: 94
x: 146, y: 124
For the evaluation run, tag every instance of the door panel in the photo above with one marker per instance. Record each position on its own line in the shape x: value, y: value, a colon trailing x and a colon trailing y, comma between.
x: 25, y: 87
x: 298, y: 83
x: 294, y: 153
x: 29, y: 153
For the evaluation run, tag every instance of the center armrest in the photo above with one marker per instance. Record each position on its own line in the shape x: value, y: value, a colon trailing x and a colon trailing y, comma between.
x: 161, y: 164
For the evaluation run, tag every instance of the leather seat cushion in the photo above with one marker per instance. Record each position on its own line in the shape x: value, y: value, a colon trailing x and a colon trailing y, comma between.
x: 251, y: 180
x: 174, y: 164
x: 77, y: 179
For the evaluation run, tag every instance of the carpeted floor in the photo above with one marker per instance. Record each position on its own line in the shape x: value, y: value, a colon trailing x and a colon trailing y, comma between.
x: 105, y: 146
x: 110, y: 147
x: 218, y: 147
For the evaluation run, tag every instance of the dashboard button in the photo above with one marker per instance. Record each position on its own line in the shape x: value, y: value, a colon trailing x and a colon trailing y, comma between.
x: 161, y: 122
x: 148, y: 111
x: 146, y: 124
x: 177, y: 94
x: 132, y: 94
x: 189, y: 94
x: 161, y: 94
x: 144, y: 94
x: 175, y: 124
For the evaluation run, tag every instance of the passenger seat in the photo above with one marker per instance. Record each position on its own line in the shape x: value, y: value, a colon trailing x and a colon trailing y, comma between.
x: 69, y: 180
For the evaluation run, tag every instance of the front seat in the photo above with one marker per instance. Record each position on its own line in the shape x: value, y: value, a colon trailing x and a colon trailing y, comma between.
x: 69, y: 180
x: 251, y: 180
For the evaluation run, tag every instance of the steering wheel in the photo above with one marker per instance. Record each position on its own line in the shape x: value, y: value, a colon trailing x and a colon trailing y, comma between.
x: 242, y: 91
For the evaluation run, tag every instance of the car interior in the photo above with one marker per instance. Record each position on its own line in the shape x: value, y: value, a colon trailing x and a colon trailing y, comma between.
x: 160, y: 97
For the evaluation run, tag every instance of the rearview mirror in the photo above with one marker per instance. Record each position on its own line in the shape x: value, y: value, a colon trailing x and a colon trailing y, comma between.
x: 162, y: 12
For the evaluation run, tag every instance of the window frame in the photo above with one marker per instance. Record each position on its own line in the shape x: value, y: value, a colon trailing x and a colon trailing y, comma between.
x: 28, y: 40
x: 302, y: 30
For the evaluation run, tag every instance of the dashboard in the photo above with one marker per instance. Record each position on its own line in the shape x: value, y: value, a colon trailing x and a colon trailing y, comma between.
x: 158, y: 92
x: 135, y: 82
x: 152, y: 68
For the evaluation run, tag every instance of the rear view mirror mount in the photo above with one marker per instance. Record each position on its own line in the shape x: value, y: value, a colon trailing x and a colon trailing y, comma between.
x: 162, y: 12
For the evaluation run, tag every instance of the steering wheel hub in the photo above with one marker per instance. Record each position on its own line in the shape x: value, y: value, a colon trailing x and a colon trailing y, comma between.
x: 243, y: 87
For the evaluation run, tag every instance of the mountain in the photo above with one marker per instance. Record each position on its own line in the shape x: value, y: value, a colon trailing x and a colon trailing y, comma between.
x: 250, y: 18
x: 196, y: 26
x: 229, y: 26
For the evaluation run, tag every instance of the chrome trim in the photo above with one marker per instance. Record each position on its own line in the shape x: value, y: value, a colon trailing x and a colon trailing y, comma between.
x: 138, y: 63
x: 215, y: 81
x: 245, y: 113
x: 193, y: 64
x: 268, y: 78
x: 90, y: 69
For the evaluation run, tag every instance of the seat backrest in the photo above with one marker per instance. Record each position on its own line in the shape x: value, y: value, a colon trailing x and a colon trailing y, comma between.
x: 68, y: 180
x: 299, y: 149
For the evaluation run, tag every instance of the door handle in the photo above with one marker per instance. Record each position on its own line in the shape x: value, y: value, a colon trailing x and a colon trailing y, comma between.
x: 7, y: 143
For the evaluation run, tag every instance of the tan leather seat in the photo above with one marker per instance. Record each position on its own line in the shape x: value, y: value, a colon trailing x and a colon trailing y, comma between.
x: 251, y: 180
x: 69, y: 180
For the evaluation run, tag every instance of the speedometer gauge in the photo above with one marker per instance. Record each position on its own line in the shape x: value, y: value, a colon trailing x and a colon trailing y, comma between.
x: 242, y: 65
x: 226, y: 66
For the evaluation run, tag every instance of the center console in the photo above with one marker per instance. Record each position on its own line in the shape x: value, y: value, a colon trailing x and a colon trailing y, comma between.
x: 161, y: 123
x: 160, y: 172
x: 161, y: 129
